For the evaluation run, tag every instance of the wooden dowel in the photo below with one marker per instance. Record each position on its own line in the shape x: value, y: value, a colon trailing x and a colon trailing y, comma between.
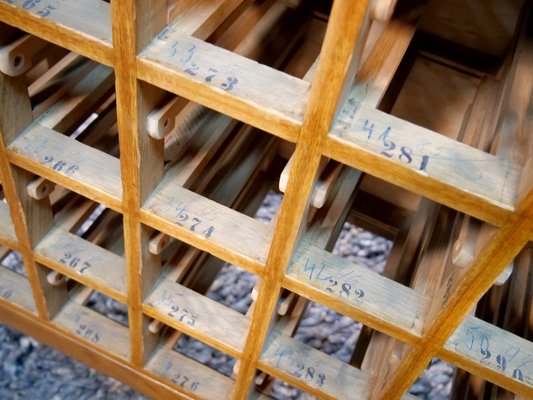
x: 19, y: 56
x: 158, y: 243
x: 155, y: 326
x: 55, y: 278
x: 162, y: 121
x: 382, y: 10
x: 40, y: 188
x: 54, y: 73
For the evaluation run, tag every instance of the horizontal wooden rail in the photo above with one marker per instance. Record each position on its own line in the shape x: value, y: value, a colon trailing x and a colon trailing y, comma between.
x: 425, y: 162
x: 226, y: 82
x: 59, y: 22
x: 69, y: 163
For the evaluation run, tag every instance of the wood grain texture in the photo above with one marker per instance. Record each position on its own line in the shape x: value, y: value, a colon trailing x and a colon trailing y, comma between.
x: 14, y: 288
x: 497, y: 355
x: 357, y: 292
x: 83, y: 261
x: 134, y: 24
x: 194, y: 379
x: 7, y: 231
x: 225, y: 233
x: 199, y: 316
x: 322, y: 374
x: 86, y: 352
x: 425, y: 162
x: 327, y: 89
x: 56, y: 21
x: 225, y: 82
x: 69, y: 163
x: 93, y: 327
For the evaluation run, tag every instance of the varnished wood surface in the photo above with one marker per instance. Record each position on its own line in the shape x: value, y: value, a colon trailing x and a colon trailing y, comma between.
x: 197, y: 187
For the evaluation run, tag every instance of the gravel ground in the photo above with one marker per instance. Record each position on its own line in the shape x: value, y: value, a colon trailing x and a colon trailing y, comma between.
x: 30, y: 370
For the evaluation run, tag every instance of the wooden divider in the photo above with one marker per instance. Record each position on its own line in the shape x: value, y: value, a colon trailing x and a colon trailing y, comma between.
x: 135, y: 129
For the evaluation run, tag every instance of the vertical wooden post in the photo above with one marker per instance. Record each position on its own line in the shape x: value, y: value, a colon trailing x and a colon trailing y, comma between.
x: 135, y: 24
x: 347, y: 22
x: 32, y: 218
x: 496, y: 255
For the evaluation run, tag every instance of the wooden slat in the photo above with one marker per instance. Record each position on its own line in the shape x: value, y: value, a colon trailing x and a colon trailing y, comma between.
x: 15, y: 288
x: 493, y: 353
x: 200, y: 18
x: 83, y: 26
x: 356, y: 292
x: 69, y: 343
x: 197, y: 315
x: 310, y: 369
x: 219, y: 230
x: 189, y: 376
x: 425, y: 162
x: 234, y: 85
x: 67, y: 162
x: 95, y: 328
x: 79, y: 100
x: 7, y: 231
x: 83, y: 261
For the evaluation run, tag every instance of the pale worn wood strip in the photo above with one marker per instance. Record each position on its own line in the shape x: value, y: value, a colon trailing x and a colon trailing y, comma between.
x: 79, y: 101
x: 197, y: 315
x: 369, y: 298
x: 437, y: 167
x: 209, y: 226
x: 67, y: 162
x: 15, y: 288
x: 198, y: 152
x: 321, y: 374
x: 7, y: 231
x: 94, y: 328
x: 377, y: 72
x: 200, y: 18
x: 83, y: 261
x: 83, y: 26
x: 189, y: 376
x: 493, y: 353
x: 226, y: 82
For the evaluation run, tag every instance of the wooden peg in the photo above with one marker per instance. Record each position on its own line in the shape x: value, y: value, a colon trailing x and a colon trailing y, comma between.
x: 162, y: 121
x: 186, y: 123
x: 472, y: 235
x: 54, y: 278
x: 259, y: 379
x: 464, y: 248
x: 19, y: 56
x: 40, y: 188
x: 158, y: 243
x: 155, y: 326
x: 284, y: 179
x: 382, y: 10
x: 504, y: 276
x: 285, y: 303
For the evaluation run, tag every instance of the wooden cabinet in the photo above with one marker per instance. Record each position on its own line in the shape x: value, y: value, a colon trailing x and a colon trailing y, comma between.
x: 140, y: 137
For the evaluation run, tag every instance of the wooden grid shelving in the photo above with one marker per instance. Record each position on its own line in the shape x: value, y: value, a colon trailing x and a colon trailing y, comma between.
x: 170, y: 119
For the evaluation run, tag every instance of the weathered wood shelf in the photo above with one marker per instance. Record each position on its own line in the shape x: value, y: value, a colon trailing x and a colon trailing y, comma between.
x: 139, y: 138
